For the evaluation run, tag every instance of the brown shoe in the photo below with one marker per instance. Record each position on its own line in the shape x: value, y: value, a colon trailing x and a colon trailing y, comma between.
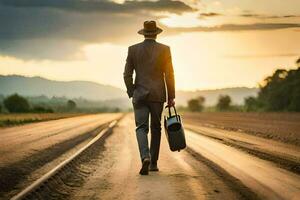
x: 153, y: 167
x: 145, y: 167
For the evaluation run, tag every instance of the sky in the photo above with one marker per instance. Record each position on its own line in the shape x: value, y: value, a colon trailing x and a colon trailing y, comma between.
x: 214, y: 43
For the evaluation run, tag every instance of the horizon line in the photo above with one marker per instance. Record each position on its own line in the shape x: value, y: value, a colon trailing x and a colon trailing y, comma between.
x: 109, y: 85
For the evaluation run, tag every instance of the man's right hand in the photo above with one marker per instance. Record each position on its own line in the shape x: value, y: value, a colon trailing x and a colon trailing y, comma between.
x: 171, y: 102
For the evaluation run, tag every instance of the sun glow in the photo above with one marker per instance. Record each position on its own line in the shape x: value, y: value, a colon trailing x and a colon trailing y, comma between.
x: 205, y: 60
x: 191, y: 20
x: 96, y: 53
x: 184, y: 20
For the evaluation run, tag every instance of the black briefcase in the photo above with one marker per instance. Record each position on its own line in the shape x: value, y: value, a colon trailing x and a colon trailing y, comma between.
x: 174, y: 131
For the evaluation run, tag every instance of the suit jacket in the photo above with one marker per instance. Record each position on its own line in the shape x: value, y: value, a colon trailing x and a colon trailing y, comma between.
x: 152, y: 64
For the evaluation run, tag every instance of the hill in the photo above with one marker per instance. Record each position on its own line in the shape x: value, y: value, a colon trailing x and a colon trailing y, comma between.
x: 36, y: 86
x: 109, y: 95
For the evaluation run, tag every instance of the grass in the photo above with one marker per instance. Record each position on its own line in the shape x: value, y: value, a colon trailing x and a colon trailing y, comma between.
x: 20, y: 119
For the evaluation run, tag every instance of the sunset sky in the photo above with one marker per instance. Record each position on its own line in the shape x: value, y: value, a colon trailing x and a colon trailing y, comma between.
x: 214, y: 43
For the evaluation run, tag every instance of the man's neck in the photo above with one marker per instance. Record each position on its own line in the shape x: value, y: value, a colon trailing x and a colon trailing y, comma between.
x: 148, y: 38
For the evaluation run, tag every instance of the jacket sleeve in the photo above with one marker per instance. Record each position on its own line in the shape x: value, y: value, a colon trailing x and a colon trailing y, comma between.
x: 169, y: 75
x: 128, y: 73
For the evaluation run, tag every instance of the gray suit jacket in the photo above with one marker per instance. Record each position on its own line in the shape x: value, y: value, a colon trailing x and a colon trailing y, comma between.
x: 152, y: 64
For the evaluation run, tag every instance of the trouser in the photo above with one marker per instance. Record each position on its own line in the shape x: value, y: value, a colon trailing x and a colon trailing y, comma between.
x: 142, y: 110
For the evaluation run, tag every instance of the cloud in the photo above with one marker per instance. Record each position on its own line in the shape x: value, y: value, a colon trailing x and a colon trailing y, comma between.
x: 210, y: 14
x: 58, y: 29
x: 235, y: 27
x: 249, y: 15
x: 268, y: 16
x: 59, y: 36
x: 250, y: 56
x: 40, y: 49
x: 102, y: 5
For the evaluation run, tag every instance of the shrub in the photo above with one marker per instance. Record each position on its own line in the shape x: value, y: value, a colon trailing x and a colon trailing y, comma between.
x: 71, y: 105
x: 196, y: 105
x: 224, y: 102
x: 252, y: 104
x: 41, y: 109
x: 16, y: 104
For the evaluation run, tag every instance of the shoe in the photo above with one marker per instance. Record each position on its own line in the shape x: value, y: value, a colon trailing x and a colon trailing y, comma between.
x: 153, y: 167
x: 145, y: 167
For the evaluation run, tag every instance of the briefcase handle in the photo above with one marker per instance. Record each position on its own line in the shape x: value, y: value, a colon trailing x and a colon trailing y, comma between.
x: 170, y: 111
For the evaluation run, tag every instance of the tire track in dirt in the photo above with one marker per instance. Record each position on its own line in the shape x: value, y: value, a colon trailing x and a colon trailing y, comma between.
x: 281, y: 159
x: 181, y: 175
x: 18, y: 172
x: 262, y: 177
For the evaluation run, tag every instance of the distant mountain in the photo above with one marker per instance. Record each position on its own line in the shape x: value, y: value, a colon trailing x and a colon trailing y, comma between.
x: 211, y: 96
x: 37, y: 86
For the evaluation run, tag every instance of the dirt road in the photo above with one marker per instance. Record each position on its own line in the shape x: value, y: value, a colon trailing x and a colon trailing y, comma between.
x: 207, y: 169
x: 265, y: 179
x: 26, y: 152
x: 18, y: 142
x: 217, y: 164
x: 283, y: 127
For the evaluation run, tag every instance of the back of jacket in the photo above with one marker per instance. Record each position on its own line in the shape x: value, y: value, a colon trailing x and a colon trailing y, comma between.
x: 152, y: 64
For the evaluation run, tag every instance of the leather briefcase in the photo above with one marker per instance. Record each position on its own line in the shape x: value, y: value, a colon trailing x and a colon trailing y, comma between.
x: 174, y: 131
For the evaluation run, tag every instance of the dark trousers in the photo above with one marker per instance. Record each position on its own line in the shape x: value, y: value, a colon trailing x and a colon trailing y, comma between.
x: 142, y: 111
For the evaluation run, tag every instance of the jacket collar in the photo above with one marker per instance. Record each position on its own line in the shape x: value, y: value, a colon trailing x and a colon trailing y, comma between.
x: 149, y: 40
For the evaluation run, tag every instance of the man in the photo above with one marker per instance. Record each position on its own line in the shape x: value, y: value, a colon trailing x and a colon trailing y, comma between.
x: 152, y: 64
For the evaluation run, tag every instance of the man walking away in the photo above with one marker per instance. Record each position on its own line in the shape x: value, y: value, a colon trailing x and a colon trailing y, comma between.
x: 152, y: 64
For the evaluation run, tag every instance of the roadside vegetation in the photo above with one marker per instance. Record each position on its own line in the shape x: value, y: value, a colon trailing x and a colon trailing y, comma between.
x: 197, y: 104
x: 16, y: 109
x: 279, y: 92
x: 19, y: 119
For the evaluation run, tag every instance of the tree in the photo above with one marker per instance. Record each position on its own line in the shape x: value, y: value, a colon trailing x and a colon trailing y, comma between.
x: 116, y: 110
x: 280, y: 92
x: 16, y: 104
x: 71, y: 105
x: 295, y: 98
x: 41, y: 109
x: 224, y: 102
x: 298, y: 62
x: 0, y: 108
x: 196, y: 105
x: 251, y: 104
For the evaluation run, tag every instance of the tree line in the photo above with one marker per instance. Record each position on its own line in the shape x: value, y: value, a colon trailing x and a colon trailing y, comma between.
x: 278, y: 92
x: 224, y: 104
x: 18, y: 104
